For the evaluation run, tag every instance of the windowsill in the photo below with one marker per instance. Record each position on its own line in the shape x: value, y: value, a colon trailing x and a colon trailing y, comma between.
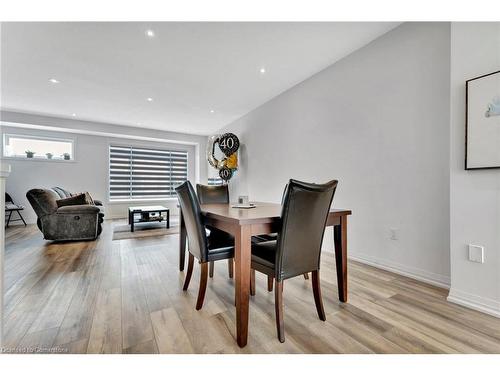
x: 38, y: 159
x: 123, y: 201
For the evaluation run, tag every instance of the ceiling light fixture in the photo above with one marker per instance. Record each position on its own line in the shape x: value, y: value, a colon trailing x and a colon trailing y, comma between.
x: 73, y: 114
x: 150, y: 33
x: 212, y: 111
x: 262, y: 70
x: 53, y: 80
x: 149, y: 99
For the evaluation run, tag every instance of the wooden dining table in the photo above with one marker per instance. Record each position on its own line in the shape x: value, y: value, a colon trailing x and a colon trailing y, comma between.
x: 264, y: 218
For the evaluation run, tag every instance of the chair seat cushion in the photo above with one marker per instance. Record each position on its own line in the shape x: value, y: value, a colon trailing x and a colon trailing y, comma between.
x: 264, y: 253
x: 12, y: 206
x: 220, y: 253
x: 265, y: 237
x: 218, y: 238
x: 220, y: 244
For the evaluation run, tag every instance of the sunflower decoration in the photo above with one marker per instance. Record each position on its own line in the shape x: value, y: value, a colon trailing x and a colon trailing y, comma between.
x: 228, y: 144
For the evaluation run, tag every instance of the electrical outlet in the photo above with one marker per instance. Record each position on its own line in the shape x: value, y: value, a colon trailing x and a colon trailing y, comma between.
x: 476, y: 253
x: 394, y: 234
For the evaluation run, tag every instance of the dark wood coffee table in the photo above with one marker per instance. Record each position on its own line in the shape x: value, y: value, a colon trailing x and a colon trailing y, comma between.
x: 148, y: 214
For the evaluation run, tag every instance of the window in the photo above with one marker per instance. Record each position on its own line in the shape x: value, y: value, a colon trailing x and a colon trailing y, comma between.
x: 38, y: 148
x: 213, y: 176
x: 214, y: 181
x: 142, y: 173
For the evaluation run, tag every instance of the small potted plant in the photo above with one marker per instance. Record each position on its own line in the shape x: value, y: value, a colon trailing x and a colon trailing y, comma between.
x: 29, y: 154
x: 66, y: 156
x: 49, y: 155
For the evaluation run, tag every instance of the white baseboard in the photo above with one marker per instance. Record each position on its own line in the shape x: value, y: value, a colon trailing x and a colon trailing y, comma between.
x: 472, y: 301
x: 400, y: 269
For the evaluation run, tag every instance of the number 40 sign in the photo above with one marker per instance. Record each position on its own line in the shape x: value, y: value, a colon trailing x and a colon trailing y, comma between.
x: 229, y: 144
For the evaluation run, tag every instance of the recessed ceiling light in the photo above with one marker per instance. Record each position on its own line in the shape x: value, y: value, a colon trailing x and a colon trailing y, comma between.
x: 73, y: 114
x: 262, y: 70
x: 149, y: 99
x: 53, y: 80
x: 212, y: 111
x: 150, y: 33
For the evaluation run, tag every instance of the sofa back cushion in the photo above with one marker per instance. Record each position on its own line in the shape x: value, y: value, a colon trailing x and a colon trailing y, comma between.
x: 61, y: 192
x: 43, y: 201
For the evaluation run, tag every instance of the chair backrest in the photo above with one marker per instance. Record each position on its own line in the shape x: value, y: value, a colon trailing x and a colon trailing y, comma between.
x: 304, y: 214
x: 8, y: 198
x: 212, y: 194
x: 191, y: 214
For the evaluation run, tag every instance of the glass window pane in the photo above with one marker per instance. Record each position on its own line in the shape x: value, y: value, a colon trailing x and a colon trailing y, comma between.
x: 38, y: 148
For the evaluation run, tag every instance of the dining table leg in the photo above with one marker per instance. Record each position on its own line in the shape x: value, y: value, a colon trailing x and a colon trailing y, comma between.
x: 242, y: 257
x: 182, y: 241
x: 340, y: 240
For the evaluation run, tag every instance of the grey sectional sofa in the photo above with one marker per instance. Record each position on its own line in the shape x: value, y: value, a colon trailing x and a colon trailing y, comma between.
x: 67, y: 223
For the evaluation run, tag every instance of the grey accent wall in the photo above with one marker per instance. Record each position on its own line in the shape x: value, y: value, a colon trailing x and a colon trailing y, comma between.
x: 89, y: 172
x: 378, y: 121
x: 475, y: 195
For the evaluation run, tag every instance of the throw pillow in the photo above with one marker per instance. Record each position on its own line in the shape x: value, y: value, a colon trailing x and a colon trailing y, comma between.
x: 88, y: 198
x: 71, y: 201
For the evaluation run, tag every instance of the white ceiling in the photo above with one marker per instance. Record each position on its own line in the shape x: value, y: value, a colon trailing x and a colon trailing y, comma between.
x: 108, y: 70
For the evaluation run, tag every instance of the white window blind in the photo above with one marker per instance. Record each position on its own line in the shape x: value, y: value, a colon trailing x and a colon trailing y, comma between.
x: 214, y: 181
x: 141, y: 173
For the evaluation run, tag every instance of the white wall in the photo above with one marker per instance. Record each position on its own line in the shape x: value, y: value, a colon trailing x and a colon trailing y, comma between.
x: 90, y: 171
x: 475, y: 194
x: 378, y: 121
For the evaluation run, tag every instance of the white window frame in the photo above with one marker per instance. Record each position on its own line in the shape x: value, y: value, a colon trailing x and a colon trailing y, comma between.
x: 168, y: 147
x: 72, y: 141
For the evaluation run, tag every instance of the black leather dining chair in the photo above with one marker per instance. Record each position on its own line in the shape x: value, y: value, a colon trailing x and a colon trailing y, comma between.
x: 297, y: 250
x: 212, y: 194
x: 272, y: 237
x: 199, y: 246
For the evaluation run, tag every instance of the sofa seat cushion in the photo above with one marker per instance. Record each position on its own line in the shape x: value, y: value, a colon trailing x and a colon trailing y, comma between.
x: 78, y: 209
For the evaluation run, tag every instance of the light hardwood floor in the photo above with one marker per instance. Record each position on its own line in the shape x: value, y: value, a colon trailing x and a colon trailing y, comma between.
x: 126, y: 296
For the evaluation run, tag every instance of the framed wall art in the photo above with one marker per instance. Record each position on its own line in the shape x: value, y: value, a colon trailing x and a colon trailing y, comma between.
x: 482, y: 122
